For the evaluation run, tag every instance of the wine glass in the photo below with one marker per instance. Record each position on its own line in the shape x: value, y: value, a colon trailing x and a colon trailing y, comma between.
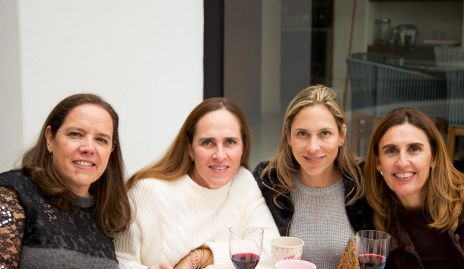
x: 373, y: 247
x: 245, y: 246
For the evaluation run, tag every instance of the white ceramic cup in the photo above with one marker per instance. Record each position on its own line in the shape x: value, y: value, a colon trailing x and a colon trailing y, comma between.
x: 286, y: 248
x: 294, y: 264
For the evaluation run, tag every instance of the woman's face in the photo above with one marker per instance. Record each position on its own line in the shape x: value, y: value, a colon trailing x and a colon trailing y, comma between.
x: 405, y: 159
x: 314, y: 139
x: 82, y: 146
x: 216, y: 149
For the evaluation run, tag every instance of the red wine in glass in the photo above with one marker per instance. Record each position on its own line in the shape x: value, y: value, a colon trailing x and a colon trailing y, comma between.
x: 373, y: 247
x: 371, y: 261
x: 245, y: 260
x: 245, y: 245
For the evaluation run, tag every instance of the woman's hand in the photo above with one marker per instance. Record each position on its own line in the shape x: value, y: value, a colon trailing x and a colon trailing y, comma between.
x: 161, y: 266
x: 197, y: 258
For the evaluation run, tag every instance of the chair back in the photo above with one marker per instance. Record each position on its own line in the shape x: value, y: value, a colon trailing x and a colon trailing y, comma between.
x: 378, y: 87
x: 363, y: 77
x: 399, y: 87
x: 455, y: 85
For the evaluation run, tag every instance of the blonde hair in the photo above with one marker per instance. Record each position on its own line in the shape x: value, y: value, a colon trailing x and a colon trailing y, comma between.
x: 284, y: 162
x: 444, y: 189
x: 176, y: 161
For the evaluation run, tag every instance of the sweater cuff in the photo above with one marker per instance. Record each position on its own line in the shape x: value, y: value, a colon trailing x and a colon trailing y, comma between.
x: 221, y: 257
x: 125, y: 264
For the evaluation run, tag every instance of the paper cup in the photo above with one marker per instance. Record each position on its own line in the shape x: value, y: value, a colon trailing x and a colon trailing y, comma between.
x: 294, y: 264
x: 286, y: 248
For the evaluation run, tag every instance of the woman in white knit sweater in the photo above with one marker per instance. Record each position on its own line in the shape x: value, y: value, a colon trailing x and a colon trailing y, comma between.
x: 185, y: 203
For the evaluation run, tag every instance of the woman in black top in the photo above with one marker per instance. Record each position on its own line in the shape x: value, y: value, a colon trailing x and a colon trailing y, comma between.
x: 416, y: 193
x: 65, y: 204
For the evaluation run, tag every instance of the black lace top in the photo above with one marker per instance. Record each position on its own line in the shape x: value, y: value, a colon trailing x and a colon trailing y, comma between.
x: 35, y: 234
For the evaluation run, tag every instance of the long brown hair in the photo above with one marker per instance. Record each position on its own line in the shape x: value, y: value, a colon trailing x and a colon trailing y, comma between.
x: 285, y: 163
x: 176, y: 161
x: 444, y: 189
x: 113, y: 212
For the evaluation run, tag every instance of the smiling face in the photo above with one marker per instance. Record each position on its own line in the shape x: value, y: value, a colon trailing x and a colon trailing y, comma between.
x: 314, y: 139
x: 82, y: 146
x: 405, y: 159
x: 216, y: 149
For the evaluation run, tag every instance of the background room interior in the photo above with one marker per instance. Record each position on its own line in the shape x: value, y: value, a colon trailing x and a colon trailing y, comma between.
x: 147, y: 59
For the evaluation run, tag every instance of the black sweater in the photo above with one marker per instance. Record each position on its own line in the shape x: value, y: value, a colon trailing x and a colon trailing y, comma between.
x: 51, y: 238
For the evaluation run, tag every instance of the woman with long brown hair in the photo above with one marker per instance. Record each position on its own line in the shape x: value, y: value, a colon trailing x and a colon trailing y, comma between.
x: 186, y: 202
x: 68, y: 200
x: 416, y: 193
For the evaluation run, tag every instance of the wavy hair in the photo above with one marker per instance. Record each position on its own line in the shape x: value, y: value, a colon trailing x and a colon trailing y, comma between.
x: 176, y: 160
x: 285, y: 163
x: 113, y: 213
x: 444, y: 189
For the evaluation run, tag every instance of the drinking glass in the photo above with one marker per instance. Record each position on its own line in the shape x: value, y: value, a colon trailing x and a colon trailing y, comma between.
x: 245, y: 246
x: 373, y: 247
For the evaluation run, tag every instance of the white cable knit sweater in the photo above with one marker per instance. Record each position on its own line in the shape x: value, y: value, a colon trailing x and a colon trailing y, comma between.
x: 174, y: 217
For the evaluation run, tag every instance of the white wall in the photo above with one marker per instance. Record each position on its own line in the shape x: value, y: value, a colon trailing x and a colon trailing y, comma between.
x: 143, y: 56
x: 10, y: 95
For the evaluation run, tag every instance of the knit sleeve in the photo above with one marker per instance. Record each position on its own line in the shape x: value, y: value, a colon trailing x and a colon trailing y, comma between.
x: 254, y: 213
x: 257, y: 214
x: 128, y: 244
x: 141, y: 245
x: 128, y: 247
x: 12, y: 220
x: 221, y: 256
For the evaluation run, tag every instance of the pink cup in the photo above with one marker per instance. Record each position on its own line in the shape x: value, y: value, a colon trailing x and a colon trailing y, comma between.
x: 294, y: 264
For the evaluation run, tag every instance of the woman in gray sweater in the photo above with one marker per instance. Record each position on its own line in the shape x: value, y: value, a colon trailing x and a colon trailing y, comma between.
x: 313, y: 185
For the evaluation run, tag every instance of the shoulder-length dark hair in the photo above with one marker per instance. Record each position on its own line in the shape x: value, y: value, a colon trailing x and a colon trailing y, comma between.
x: 176, y: 161
x: 444, y: 189
x: 113, y: 212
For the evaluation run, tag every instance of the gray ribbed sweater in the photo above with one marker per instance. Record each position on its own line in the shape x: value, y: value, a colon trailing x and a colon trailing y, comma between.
x: 320, y: 220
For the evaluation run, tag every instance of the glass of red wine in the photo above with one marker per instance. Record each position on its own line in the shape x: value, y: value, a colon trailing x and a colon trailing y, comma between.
x: 373, y: 247
x: 245, y: 246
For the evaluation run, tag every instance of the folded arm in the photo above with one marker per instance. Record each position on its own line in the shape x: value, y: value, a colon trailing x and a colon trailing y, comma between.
x: 12, y: 219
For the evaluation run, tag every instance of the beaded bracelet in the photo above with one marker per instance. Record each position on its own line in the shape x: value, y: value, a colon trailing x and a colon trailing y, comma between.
x: 194, y: 259
x: 197, y: 260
